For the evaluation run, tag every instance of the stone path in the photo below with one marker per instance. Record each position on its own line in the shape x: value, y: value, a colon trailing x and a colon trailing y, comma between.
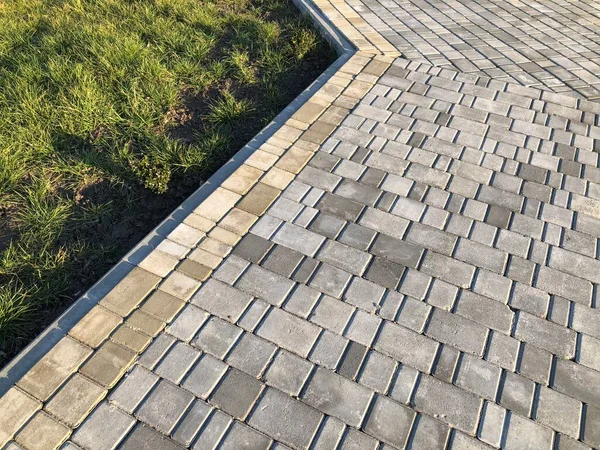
x: 410, y: 261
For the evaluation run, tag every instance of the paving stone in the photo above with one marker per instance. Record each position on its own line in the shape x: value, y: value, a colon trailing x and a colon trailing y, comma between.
x: 285, y: 419
x: 44, y: 378
x: 330, y: 280
x: 95, y: 326
x: 258, y: 199
x: 133, y: 388
x: 559, y: 412
x: 516, y: 393
x: 52, y: 433
x: 485, y: 311
x: 492, y: 424
x: 156, y: 351
x: 415, y: 350
x: 162, y: 306
x: 75, y: 400
x: 103, y: 429
x: 130, y: 291
x: 389, y: 421
x: 242, y: 437
x: 221, y: 300
x: 289, y: 332
x: 478, y: 376
x: 337, y: 396
x: 191, y: 422
x: 194, y: 270
x: 328, y: 350
x: 236, y: 393
x: 187, y: 323
x: 384, y: 272
x: 108, y: 364
x: 217, y: 337
x: 525, y: 434
x: 344, y: 257
x: 17, y: 408
x: 144, y: 437
x: 177, y: 362
x: 204, y: 376
x: 332, y: 314
x: 164, y: 407
x: 251, y: 354
x: 144, y: 323
x: 265, y: 284
x: 429, y: 433
x: 252, y: 248
x: 329, y: 434
x: 457, y: 331
x: 451, y: 404
x: 288, y: 372
x: 299, y: 239
x: 547, y: 335
x: 302, y: 300
x: 283, y: 261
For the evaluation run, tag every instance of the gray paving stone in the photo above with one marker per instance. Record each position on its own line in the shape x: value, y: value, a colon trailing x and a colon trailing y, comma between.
x: 340, y: 207
x: 221, y: 300
x: 330, y: 280
x: 328, y: 350
x: 329, y: 434
x: 265, y: 284
x: 236, y: 393
x: 164, y: 407
x: 288, y: 372
x: 251, y: 354
x: 104, y: 429
x: 389, y: 421
x: 217, y: 337
x: 177, y: 362
x: 478, y: 376
x: 285, y: 419
x: 527, y: 435
x: 187, y: 323
x: 449, y: 403
x: 429, y: 433
x: 205, y: 375
x: 194, y: 418
x: 406, y: 346
x: 132, y: 390
x: 457, y: 331
x: 289, y: 332
x: 283, y: 261
x: 384, y: 272
x: 212, y: 431
x: 143, y: 437
x: 242, y: 437
x: 556, y: 339
x: 516, y: 393
x: 337, y: 396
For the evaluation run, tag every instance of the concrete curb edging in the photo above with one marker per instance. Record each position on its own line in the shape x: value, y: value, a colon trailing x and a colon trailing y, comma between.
x: 31, y: 354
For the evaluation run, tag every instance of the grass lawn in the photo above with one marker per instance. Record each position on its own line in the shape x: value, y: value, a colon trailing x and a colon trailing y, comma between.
x: 111, y: 113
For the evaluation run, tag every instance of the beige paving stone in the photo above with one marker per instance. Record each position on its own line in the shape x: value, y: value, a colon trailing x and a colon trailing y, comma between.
x: 222, y: 235
x: 44, y: 378
x: 217, y: 204
x: 259, y: 199
x: 133, y: 340
x: 108, y: 364
x: 140, y: 321
x: 159, y: 263
x: 16, y: 407
x: 95, y: 326
x: 194, y: 270
x: 277, y: 178
x: 216, y: 247
x: 294, y: 159
x: 162, y: 306
x: 186, y: 235
x: 130, y: 291
x: 199, y: 222
x: 205, y: 258
x: 308, y: 112
x: 261, y: 160
x: 180, y: 285
x: 242, y: 179
x: 43, y: 433
x: 74, y: 401
x: 238, y: 221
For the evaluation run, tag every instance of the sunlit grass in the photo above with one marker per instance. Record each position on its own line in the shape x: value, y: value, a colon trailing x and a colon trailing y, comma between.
x: 111, y: 112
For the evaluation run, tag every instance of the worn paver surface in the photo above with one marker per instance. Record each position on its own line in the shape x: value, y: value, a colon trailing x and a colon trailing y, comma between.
x: 410, y: 261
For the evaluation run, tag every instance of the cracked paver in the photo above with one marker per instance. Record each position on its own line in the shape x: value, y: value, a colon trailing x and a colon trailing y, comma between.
x: 410, y: 261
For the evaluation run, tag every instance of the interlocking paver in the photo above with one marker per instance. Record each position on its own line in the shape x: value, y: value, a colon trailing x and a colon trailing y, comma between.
x: 415, y: 250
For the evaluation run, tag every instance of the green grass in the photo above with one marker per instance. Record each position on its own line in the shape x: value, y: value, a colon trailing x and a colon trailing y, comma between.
x: 111, y: 113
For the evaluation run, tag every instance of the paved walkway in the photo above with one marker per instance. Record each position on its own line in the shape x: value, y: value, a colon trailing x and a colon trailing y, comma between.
x: 410, y: 261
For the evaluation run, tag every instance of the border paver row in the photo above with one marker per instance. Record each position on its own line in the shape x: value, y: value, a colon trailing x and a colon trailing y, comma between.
x: 410, y: 261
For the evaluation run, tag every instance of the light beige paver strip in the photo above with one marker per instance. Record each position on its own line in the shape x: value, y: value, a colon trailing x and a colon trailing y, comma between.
x: 410, y: 261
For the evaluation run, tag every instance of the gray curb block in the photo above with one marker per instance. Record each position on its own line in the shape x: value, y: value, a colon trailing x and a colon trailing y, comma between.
x: 31, y: 354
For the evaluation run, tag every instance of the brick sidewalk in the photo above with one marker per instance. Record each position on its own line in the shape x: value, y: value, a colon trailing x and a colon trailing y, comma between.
x: 410, y: 261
